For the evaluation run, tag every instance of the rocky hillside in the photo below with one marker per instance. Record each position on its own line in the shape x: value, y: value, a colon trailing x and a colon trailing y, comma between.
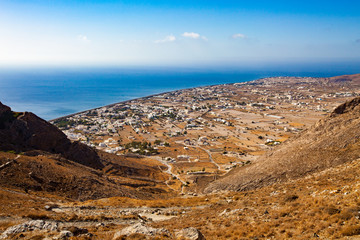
x: 330, y: 142
x: 22, y: 132
x: 37, y: 156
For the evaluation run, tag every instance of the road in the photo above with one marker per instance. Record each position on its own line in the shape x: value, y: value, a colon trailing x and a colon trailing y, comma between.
x: 210, y: 157
x: 168, y: 171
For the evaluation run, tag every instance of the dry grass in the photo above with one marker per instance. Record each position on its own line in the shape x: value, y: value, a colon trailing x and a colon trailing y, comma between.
x: 7, y: 223
x: 325, y: 205
x: 155, y: 203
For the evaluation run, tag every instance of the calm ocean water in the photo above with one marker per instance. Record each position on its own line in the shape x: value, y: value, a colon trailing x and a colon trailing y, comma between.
x: 51, y: 93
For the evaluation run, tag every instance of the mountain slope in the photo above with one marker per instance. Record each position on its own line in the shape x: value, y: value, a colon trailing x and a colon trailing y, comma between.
x: 330, y: 142
x: 49, y: 162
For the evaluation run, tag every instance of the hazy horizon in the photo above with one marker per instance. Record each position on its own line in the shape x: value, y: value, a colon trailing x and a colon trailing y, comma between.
x: 331, y: 67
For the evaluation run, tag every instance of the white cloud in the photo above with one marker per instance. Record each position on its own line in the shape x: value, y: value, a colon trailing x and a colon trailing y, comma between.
x: 191, y: 35
x: 83, y: 38
x: 170, y: 38
x: 238, y: 35
x: 194, y: 36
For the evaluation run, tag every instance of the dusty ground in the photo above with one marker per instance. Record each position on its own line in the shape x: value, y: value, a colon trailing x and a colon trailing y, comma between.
x: 324, y: 205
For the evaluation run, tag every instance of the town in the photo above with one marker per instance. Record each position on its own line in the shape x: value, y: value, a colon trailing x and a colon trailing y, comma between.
x: 205, y: 132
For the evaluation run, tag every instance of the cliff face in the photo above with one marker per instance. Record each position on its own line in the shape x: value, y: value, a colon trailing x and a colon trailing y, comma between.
x: 332, y: 141
x: 25, y: 131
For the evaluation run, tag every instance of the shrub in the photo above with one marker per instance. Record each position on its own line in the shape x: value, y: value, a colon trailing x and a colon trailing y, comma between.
x: 331, y: 210
x: 291, y: 198
x: 351, y: 231
x: 36, y: 216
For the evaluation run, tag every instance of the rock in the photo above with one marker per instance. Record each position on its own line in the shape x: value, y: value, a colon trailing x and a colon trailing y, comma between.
x: 64, y: 235
x: 48, y: 208
x: 100, y: 225
x: 190, y: 233
x: 52, y: 226
x: 29, y: 226
x: 51, y: 207
x: 228, y: 212
x: 87, y: 235
x: 224, y: 213
x: 142, y: 229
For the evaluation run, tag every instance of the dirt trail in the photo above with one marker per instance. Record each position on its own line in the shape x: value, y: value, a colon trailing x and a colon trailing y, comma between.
x: 210, y: 157
x: 168, y: 171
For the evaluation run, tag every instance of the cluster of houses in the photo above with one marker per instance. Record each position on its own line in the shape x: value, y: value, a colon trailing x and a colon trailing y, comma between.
x: 99, y: 127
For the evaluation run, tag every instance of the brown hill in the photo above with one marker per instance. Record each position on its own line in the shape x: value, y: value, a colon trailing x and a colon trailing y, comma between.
x: 58, y: 176
x: 49, y: 173
x: 37, y: 156
x: 354, y: 79
x: 330, y: 142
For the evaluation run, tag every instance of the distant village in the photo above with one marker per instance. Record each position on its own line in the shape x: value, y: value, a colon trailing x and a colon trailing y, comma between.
x: 208, y: 130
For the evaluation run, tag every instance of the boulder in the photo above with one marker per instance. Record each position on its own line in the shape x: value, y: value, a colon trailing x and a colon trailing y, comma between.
x: 190, y: 233
x: 64, y: 235
x: 140, y: 228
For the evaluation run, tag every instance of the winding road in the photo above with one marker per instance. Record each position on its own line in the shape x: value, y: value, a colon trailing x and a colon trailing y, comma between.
x: 168, y: 171
x: 210, y: 157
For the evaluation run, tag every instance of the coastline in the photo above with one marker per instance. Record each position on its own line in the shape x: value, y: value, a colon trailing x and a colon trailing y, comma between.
x: 145, y: 97
x: 191, y: 88
x: 59, y: 94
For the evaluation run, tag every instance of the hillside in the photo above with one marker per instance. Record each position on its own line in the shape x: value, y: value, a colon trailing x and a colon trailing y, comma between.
x: 38, y: 157
x: 331, y: 141
x: 354, y: 79
x: 323, y: 205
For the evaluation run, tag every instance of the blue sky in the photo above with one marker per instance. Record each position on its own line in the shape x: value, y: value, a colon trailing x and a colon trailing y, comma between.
x: 178, y: 33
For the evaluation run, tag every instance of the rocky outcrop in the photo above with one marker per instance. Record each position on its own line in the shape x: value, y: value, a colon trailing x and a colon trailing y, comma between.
x: 29, y: 226
x: 22, y: 132
x: 346, y: 107
x: 332, y: 141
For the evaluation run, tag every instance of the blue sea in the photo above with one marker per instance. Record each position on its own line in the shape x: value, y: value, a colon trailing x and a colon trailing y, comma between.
x: 54, y: 92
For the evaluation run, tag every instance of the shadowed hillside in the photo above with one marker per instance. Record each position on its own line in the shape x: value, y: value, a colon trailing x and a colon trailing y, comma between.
x: 25, y: 131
